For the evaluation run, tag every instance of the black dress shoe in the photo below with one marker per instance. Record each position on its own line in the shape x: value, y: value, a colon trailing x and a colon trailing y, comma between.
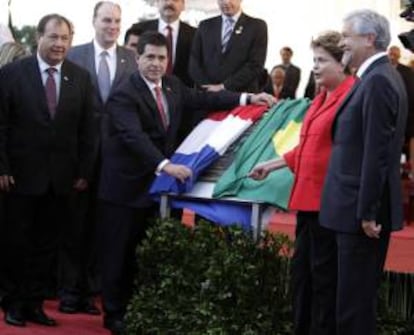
x: 89, y: 307
x: 14, y: 317
x: 37, y: 315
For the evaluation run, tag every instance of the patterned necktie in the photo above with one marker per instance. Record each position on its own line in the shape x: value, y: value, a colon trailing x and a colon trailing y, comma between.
x: 104, y: 77
x: 170, y: 50
x: 51, y: 93
x: 228, y: 30
x: 160, y: 105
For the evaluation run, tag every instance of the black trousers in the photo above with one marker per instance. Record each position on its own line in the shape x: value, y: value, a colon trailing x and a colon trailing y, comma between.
x: 313, y: 269
x: 120, y: 230
x: 32, y: 230
x: 360, y: 265
x: 78, y: 277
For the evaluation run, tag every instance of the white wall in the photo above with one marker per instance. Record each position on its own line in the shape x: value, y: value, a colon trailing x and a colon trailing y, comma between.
x: 290, y: 22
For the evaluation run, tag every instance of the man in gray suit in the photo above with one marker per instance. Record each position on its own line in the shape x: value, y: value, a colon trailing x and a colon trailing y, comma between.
x: 108, y: 65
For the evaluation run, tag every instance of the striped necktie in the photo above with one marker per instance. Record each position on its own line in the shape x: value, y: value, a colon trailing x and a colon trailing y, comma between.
x: 228, y: 30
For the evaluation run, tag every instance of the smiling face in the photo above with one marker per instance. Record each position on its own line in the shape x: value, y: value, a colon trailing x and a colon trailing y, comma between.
x: 357, y: 47
x: 54, y: 42
x: 107, y: 24
x: 152, y: 63
x: 327, y: 71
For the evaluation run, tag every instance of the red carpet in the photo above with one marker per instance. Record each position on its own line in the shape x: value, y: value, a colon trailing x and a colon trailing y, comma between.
x: 75, y: 324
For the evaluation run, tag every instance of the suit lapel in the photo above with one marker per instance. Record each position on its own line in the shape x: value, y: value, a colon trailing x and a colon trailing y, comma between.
x: 35, y: 82
x: 66, y: 80
x: 121, y: 63
x: 89, y: 60
x: 149, y: 100
x: 169, y: 95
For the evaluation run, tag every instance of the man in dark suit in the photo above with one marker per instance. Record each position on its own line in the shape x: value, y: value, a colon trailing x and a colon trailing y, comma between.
x: 292, y: 72
x: 79, y: 276
x: 229, y: 50
x: 46, y: 153
x: 361, y: 199
x: 407, y: 74
x: 145, y: 112
x: 182, y: 35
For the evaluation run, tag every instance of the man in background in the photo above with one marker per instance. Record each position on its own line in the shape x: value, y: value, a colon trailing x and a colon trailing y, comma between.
x: 292, y: 72
x: 179, y: 36
x: 229, y: 50
x: 131, y: 38
x: 108, y: 65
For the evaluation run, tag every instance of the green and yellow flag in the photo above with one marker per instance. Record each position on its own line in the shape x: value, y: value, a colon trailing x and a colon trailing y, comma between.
x: 277, y: 133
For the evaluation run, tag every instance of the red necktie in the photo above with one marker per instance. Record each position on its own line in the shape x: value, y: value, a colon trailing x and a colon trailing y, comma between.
x: 170, y: 50
x: 51, y: 94
x: 160, y: 105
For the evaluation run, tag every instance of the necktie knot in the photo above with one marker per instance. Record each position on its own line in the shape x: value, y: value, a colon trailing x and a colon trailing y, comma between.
x: 51, y: 71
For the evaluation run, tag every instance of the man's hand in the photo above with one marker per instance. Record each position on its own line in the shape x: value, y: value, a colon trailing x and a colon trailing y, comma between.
x: 80, y: 185
x: 263, y: 99
x: 213, y: 88
x: 181, y: 172
x: 6, y: 183
x: 371, y: 228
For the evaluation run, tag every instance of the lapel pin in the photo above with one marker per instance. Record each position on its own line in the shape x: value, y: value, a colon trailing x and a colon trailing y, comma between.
x: 65, y: 78
x: 239, y: 30
x: 122, y: 60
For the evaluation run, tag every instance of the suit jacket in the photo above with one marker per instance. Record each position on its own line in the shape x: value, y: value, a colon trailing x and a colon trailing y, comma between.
x: 183, y: 48
x: 368, y: 134
x: 309, y: 159
x: 34, y: 148
x: 239, y: 68
x: 84, y: 56
x: 137, y: 141
x: 292, y: 77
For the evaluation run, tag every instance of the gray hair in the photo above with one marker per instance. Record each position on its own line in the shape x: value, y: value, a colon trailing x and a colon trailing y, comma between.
x: 366, y: 21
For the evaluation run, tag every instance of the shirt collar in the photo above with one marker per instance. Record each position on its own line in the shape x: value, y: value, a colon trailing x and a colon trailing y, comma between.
x: 43, y: 66
x: 151, y: 85
x: 366, y: 64
x: 162, y: 25
x: 98, y: 49
x: 235, y: 17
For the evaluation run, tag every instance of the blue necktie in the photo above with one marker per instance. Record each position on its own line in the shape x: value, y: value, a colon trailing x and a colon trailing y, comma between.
x: 228, y: 30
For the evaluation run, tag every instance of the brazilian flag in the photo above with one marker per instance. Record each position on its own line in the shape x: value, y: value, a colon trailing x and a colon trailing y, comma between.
x: 277, y: 133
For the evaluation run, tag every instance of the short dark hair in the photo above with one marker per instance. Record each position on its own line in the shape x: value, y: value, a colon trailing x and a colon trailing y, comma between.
x: 288, y: 49
x: 133, y: 30
x: 151, y: 38
x: 41, y: 26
